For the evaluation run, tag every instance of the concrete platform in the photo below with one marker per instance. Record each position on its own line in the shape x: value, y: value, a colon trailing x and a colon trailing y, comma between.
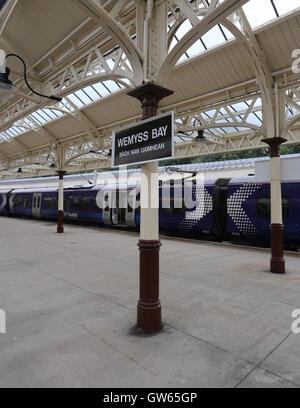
x: 71, y: 301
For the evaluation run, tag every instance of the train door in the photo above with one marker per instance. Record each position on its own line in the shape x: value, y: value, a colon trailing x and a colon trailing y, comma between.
x: 110, y: 210
x: 2, y: 203
x: 36, y: 204
x: 114, y: 208
x: 106, y: 214
x: 130, y: 209
x: 119, y: 208
x: 220, y: 209
x: 124, y: 210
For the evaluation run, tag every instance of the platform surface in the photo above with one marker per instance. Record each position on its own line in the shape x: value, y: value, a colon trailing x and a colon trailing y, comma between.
x: 70, y: 302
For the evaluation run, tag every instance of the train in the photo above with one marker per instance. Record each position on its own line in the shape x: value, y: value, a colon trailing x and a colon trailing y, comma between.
x: 228, y: 209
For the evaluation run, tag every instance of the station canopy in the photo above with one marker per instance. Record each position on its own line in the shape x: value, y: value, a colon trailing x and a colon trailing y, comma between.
x: 89, y: 53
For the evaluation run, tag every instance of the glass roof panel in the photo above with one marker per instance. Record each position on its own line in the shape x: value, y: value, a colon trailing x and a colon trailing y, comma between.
x: 110, y: 63
x: 56, y: 112
x: 213, y: 37
x: 101, y: 89
x: 183, y: 29
x: 50, y: 113
x: 92, y: 93
x: 39, y: 118
x: 284, y: 6
x: 268, y: 10
x: 13, y: 131
x: 259, y: 12
x: 83, y: 97
x: 230, y: 129
x: 228, y: 34
x: 65, y: 105
x: 195, y: 49
x: 254, y: 120
x: 42, y: 114
x: 77, y: 102
x: 183, y: 58
x: 173, y: 43
x: 259, y: 114
x: 28, y: 122
x: 112, y: 86
x: 240, y: 106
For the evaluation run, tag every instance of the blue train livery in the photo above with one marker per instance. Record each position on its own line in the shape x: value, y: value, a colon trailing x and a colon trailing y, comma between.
x: 236, y: 210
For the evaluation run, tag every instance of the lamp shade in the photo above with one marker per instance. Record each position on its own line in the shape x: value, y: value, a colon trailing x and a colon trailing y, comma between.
x: 6, y: 87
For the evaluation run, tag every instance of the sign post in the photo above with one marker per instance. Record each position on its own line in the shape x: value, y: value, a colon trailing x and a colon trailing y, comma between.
x: 147, y: 141
x: 149, y: 307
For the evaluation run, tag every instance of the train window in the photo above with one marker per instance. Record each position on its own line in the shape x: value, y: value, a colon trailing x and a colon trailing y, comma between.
x: 179, y: 205
x: 80, y: 203
x: 264, y: 208
x: 285, y: 208
x: 66, y: 204
x: 18, y: 201
x: 26, y: 202
x: 34, y: 202
x: 47, y: 203
x: 176, y: 205
x: 94, y: 204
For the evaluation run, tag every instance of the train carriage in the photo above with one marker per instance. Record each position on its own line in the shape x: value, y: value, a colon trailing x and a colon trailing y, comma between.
x: 4, y: 202
x: 235, y: 210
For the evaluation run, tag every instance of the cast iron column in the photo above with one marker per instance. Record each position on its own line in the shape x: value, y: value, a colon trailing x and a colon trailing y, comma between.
x: 149, y: 307
x: 277, y: 258
x: 60, y: 213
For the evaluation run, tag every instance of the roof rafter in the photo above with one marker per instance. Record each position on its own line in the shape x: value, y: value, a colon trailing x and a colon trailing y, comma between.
x: 6, y: 12
x: 106, y: 21
x: 203, y: 26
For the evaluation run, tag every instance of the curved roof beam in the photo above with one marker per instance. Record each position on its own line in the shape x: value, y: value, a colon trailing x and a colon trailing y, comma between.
x: 222, y: 125
x: 262, y: 71
x: 76, y: 79
x: 81, y: 154
x: 213, y: 18
x: 93, y: 79
x: 188, y: 13
x: 40, y: 131
x: 107, y: 22
x: 290, y: 124
x: 5, y: 13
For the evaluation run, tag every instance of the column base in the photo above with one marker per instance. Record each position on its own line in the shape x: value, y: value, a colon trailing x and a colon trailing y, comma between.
x: 149, y: 317
x: 149, y: 307
x: 60, y: 222
x: 277, y: 262
x: 277, y: 266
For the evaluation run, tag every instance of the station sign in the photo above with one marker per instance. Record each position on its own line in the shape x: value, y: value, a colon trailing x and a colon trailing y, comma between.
x: 149, y: 140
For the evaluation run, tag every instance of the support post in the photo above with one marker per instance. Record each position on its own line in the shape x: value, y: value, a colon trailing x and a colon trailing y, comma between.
x: 277, y: 264
x: 149, y: 307
x: 60, y: 213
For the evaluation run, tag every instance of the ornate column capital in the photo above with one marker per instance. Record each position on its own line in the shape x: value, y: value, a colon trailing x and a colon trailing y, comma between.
x: 274, y: 144
x: 61, y: 174
x: 149, y: 94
